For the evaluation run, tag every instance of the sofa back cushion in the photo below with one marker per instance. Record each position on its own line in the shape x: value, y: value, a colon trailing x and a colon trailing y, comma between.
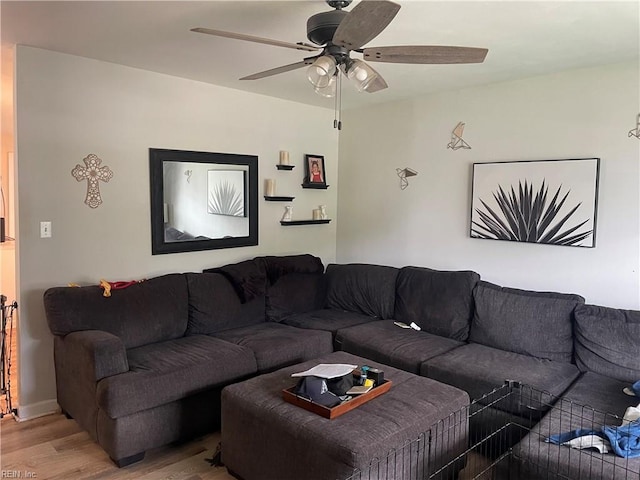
x: 539, y: 324
x: 607, y: 341
x: 362, y: 288
x: 214, y: 305
x: 295, y: 293
x: 277, y: 266
x: 248, y: 278
x: 151, y: 311
x: 439, y: 302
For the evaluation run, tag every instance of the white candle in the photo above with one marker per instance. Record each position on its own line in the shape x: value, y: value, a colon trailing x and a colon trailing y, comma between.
x: 270, y: 187
x: 317, y: 214
x: 284, y: 157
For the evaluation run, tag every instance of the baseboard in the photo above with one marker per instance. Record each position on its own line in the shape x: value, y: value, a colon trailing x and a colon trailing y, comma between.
x: 35, y: 410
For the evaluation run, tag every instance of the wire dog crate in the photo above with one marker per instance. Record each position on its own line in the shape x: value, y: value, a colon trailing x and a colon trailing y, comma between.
x: 6, y: 334
x: 503, y: 436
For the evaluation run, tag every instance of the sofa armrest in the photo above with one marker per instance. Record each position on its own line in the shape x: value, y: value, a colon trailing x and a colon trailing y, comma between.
x: 92, y: 354
x: 82, y: 359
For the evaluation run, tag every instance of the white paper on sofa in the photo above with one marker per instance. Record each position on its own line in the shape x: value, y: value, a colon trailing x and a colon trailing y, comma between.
x: 327, y: 370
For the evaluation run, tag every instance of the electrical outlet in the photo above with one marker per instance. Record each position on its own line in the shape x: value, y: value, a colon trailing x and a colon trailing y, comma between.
x: 45, y: 229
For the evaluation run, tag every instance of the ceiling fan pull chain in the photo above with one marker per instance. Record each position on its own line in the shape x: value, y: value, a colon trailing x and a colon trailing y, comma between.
x: 336, y: 102
x: 339, y: 100
x: 340, y: 107
x: 335, y: 106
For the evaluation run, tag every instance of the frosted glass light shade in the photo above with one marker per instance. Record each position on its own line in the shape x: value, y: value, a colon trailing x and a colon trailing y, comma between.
x: 330, y: 90
x: 321, y: 71
x: 361, y: 74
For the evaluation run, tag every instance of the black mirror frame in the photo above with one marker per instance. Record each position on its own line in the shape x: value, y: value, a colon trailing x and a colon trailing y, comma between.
x: 156, y: 158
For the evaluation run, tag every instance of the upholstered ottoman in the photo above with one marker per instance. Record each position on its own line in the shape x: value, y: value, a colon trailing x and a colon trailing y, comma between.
x: 414, y: 428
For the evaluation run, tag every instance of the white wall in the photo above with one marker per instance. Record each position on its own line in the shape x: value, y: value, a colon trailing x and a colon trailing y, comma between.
x: 575, y: 114
x: 69, y: 107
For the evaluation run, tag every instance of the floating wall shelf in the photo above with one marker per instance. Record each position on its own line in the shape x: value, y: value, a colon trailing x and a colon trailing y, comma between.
x: 303, y: 222
x: 319, y: 186
x: 278, y: 199
x: 285, y: 167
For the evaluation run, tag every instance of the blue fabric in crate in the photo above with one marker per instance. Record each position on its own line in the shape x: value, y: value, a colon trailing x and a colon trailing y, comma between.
x: 625, y: 440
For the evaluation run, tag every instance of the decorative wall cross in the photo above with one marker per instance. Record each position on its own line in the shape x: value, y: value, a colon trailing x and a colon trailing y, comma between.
x: 92, y: 172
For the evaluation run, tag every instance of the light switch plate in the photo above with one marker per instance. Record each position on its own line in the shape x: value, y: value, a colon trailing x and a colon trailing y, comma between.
x: 45, y: 229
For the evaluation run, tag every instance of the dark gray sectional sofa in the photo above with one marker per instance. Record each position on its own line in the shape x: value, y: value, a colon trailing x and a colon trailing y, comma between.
x: 146, y: 366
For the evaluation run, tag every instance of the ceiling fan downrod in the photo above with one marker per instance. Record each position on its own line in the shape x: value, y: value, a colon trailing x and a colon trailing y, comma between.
x: 339, y: 4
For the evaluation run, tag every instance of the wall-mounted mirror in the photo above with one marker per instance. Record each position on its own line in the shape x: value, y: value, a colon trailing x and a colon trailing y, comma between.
x: 202, y: 201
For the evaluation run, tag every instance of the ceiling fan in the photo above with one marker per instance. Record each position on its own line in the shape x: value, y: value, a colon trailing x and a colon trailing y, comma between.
x: 337, y: 33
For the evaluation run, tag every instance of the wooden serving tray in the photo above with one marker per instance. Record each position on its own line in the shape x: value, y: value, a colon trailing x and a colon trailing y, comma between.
x: 289, y: 396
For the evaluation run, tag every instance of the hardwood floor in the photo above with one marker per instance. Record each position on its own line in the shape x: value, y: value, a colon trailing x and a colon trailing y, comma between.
x: 55, y: 448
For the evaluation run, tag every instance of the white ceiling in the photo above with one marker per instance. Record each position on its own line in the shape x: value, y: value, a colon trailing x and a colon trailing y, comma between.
x: 524, y: 39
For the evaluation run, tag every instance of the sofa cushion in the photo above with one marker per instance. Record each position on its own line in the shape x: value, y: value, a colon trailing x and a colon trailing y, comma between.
x: 607, y: 341
x: 295, y: 293
x: 163, y: 372
x: 440, y: 302
x: 147, y: 312
x: 521, y: 321
x: 277, y: 266
x: 248, y: 278
x: 387, y: 343
x: 214, y: 305
x: 478, y: 369
x: 327, y: 319
x: 276, y: 345
x: 601, y: 392
x: 361, y: 288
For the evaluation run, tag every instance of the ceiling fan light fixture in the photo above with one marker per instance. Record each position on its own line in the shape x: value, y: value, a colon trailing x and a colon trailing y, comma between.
x: 330, y: 90
x: 322, y: 71
x: 360, y: 74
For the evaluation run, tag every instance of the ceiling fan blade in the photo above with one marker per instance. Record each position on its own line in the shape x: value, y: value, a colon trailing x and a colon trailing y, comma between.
x: 425, y: 54
x: 283, y: 69
x: 251, y: 38
x: 364, y: 22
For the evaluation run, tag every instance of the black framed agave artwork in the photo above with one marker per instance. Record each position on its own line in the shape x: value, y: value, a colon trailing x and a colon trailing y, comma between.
x: 552, y: 202
x: 227, y: 192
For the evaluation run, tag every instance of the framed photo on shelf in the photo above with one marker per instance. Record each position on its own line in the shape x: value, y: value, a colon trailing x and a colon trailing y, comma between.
x: 314, y: 172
